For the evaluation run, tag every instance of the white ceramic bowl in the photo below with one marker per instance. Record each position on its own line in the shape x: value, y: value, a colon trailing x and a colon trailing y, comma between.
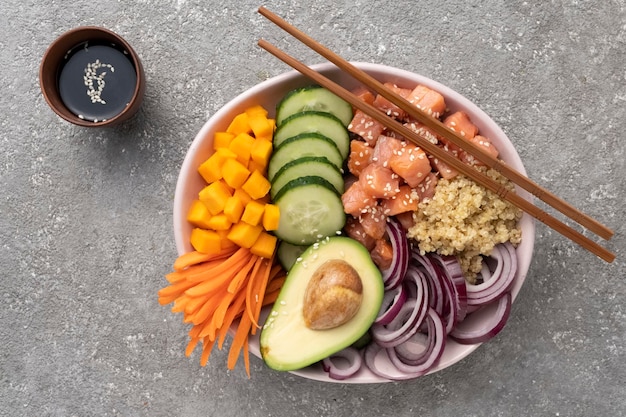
x: 267, y: 94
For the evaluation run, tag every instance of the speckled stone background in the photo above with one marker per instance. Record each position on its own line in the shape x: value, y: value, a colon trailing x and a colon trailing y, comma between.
x: 86, y: 215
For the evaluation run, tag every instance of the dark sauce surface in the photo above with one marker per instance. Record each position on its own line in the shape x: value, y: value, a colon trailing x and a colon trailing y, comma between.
x: 97, y: 81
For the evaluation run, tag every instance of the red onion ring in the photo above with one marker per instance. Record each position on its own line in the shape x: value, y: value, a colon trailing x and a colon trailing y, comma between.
x: 335, y: 364
x: 392, y: 302
x: 386, y: 363
x: 392, y: 276
x: 416, y: 349
x: 410, y: 316
x: 501, y: 278
x: 403, y: 326
x: 455, y: 284
x: 484, y: 323
x: 436, y: 298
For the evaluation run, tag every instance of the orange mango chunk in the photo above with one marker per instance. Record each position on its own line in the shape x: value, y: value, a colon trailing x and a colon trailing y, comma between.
x: 243, y: 196
x: 271, y: 217
x: 264, y: 245
x: 233, y: 208
x: 257, y: 186
x: 239, y: 125
x: 222, y: 139
x: 205, y: 241
x: 235, y: 174
x: 198, y: 214
x: 261, y: 151
x: 211, y: 169
x: 244, y: 234
x: 253, y: 213
x: 219, y: 222
x: 214, y: 196
x: 242, y: 146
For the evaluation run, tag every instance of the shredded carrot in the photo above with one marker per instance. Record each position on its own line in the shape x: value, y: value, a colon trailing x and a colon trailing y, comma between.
x: 219, y: 292
x: 241, y: 338
x: 207, y: 346
x: 193, y: 342
x: 193, y: 258
x: 231, y: 315
x: 270, y: 297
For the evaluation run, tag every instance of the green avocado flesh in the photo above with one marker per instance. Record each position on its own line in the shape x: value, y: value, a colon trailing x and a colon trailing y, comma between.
x: 286, y: 342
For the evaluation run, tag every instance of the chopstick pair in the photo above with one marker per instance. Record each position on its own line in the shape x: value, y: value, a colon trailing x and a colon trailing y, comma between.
x: 440, y: 129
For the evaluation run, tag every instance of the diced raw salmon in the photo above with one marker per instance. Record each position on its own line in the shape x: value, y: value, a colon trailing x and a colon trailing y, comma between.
x: 423, y: 131
x: 445, y: 170
x: 360, y: 156
x: 374, y: 222
x: 460, y: 122
x: 364, y: 95
x: 428, y: 100
x: 356, y: 200
x: 426, y: 189
x: 387, y: 106
x: 355, y: 230
x: 366, y: 127
x: 400, y: 203
x: 385, y: 148
x: 410, y: 163
x: 379, y: 181
x: 482, y: 142
x: 406, y: 219
x: 382, y: 254
x: 348, y: 180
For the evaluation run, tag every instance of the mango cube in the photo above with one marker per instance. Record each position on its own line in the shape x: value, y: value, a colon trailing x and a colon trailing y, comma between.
x: 264, y: 245
x: 257, y: 186
x: 253, y: 213
x: 205, y: 241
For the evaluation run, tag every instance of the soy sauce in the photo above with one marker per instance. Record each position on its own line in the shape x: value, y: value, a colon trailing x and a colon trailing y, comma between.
x: 97, y: 81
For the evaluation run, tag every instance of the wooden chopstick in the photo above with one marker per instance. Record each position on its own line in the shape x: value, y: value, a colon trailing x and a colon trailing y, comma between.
x: 446, y: 157
x: 436, y: 126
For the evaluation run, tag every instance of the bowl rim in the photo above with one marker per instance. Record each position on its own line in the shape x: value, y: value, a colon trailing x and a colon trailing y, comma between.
x: 527, y: 223
x: 53, y: 57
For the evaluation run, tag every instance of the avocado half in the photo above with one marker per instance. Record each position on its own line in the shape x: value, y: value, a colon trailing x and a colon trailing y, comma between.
x: 286, y: 342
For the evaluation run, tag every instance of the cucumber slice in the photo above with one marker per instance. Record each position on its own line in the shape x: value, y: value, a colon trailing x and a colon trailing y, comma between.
x: 317, y: 122
x: 288, y: 254
x: 306, y: 144
x: 313, y: 97
x: 310, y: 210
x: 307, y: 166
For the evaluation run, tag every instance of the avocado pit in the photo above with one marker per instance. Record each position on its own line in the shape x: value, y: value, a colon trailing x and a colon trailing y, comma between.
x: 333, y: 295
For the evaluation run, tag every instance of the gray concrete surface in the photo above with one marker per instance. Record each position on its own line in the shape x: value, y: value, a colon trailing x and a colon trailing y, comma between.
x: 85, y: 215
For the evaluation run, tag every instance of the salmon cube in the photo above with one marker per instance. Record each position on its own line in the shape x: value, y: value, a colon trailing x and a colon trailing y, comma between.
x: 387, y: 106
x: 405, y: 200
x: 446, y: 171
x: 379, y: 181
x: 482, y: 142
x: 385, y: 149
x: 364, y: 95
x: 405, y: 219
x: 411, y: 164
x: 355, y: 230
x: 460, y: 123
x: 367, y: 127
x: 382, y: 254
x: 356, y: 200
x: 426, y: 189
x: 428, y: 100
x: 423, y: 131
x: 374, y: 222
x: 360, y: 156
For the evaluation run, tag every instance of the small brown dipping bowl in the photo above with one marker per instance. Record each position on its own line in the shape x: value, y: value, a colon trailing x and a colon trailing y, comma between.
x: 79, y: 80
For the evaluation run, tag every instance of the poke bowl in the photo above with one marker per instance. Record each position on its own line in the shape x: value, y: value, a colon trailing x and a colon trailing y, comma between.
x: 268, y: 94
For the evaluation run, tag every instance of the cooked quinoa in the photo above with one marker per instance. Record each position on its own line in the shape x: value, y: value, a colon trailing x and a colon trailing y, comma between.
x: 466, y: 220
